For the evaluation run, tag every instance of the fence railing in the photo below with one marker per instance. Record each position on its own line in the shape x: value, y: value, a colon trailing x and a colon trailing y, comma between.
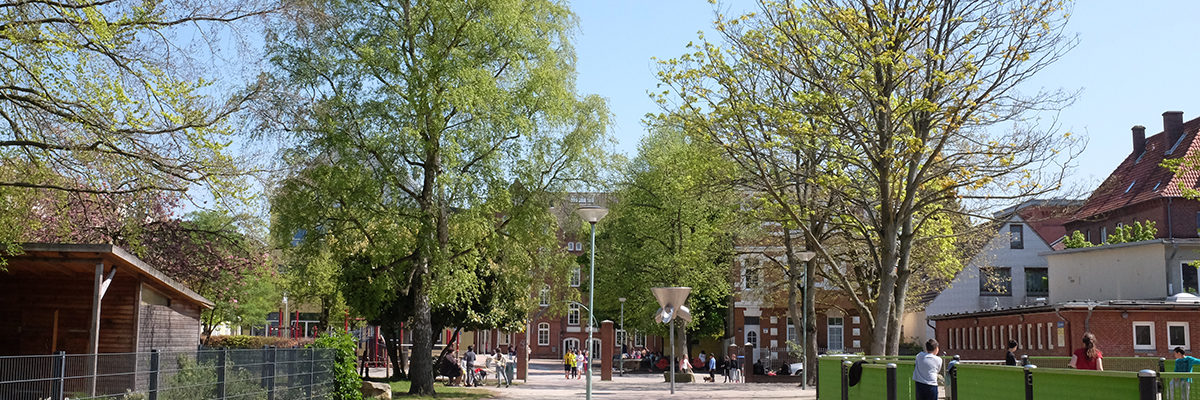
x: 890, y: 378
x: 243, y: 374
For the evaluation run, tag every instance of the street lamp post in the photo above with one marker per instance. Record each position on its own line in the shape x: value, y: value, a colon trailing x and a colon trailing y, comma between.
x: 804, y: 256
x: 671, y: 300
x: 592, y: 215
x: 624, y: 335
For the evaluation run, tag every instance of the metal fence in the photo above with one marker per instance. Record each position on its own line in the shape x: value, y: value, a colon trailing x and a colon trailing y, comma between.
x: 242, y: 374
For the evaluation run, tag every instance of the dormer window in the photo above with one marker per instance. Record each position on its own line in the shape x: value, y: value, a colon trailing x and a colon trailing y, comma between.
x: 1156, y: 185
x: 1130, y: 186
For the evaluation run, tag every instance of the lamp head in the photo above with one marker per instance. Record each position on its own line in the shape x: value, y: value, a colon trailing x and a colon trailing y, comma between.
x: 806, y: 255
x: 671, y: 300
x: 592, y: 214
x: 621, y: 299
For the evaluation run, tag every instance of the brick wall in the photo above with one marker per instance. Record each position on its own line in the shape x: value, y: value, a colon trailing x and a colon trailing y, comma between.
x: 1113, y: 329
x: 1182, y: 218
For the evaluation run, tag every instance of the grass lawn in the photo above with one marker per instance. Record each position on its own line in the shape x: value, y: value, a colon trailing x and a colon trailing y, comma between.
x: 400, y: 391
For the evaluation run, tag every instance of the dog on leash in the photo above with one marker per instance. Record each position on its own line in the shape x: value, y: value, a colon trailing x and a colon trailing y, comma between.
x: 708, y: 379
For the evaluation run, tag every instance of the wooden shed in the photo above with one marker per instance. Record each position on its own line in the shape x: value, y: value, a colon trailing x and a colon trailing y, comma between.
x: 88, y: 298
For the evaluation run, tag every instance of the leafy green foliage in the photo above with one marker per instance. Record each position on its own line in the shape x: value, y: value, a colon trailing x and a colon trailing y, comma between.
x: 1136, y: 232
x: 193, y: 380
x: 345, y: 373
x: 673, y: 226
x: 251, y: 342
x: 1076, y: 241
x: 427, y: 141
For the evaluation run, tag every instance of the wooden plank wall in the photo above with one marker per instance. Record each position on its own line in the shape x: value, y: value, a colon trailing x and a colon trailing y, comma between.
x: 29, y: 303
x: 169, y: 328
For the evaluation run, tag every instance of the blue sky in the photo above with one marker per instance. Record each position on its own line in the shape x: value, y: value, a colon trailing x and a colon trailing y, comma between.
x: 1134, y: 61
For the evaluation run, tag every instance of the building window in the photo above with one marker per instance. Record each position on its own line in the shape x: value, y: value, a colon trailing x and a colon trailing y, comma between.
x: 751, y: 274
x: 575, y: 276
x: 1143, y: 336
x: 835, y: 331
x: 1188, y: 270
x: 573, y: 314
x: 995, y: 281
x: 1039, y: 332
x: 570, y: 246
x: 543, y: 334
x: 1104, y: 234
x: 620, y: 338
x: 791, y: 332
x: 504, y: 338
x: 579, y: 246
x: 639, y: 339
x: 1177, y: 335
x: 1037, y: 281
x: 544, y: 296
x: 1010, y: 335
x: 1016, y: 236
x: 987, y: 339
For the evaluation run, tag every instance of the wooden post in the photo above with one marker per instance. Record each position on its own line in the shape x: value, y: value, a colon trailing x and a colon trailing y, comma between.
x: 54, y: 333
x: 94, y: 330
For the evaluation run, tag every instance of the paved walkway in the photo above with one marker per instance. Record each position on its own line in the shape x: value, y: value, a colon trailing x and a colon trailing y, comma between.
x: 546, y: 382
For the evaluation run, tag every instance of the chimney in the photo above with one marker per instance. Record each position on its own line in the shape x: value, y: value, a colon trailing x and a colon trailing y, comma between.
x: 1172, y: 128
x: 1139, y: 139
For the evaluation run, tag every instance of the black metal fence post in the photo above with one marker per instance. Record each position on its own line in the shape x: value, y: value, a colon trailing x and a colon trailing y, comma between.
x: 60, y: 374
x: 271, y: 377
x: 1029, y: 381
x: 154, y: 369
x: 309, y: 384
x: 845, y: 379
x: 1162, y: 364
x: 1147, y: 384
x: 952, y: 380
x: 221, y: 373
x: 891, y: 381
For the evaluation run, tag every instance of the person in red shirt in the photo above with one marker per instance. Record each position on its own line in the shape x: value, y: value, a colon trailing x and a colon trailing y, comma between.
x: 1089, y: 357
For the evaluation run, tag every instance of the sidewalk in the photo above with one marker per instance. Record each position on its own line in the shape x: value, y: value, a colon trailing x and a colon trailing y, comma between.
x: 546, y: 382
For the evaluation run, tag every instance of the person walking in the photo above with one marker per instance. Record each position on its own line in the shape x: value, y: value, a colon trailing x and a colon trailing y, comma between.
x: 1181, y: 388
x: 925, y: 374
x: 511, y: 372
x: 501, y: 361
x: 568, y: 363
x: 469, y: 359
x: 1088, y: 357
x: 735, y: 369
x: 1010, y: 358
x: 712, y: 369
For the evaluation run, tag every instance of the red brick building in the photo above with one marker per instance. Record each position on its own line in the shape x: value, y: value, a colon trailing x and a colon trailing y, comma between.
x: 1141, y: 189
x: 1124, y: 328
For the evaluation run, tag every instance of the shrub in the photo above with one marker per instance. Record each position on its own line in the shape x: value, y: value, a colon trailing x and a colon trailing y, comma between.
x: 254, y: 342
x: 345, y: 375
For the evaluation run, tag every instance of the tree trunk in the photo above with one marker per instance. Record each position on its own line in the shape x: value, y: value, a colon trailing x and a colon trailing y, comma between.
x: 899, y: 302
x: 422, y: 356
x: 883, y: 307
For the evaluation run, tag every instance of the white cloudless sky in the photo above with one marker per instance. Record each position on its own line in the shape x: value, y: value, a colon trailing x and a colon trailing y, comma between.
x: 1135, y: 60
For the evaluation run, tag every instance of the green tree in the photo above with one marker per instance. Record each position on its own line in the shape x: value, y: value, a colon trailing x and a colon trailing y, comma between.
x: 673, y: 225
x: 429, y: 140
x: 908, y: 98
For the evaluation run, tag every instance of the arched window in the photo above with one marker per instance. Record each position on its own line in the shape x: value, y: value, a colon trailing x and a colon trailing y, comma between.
x: 544, y: 334
x: 752, y: 338
x: 544, y: 296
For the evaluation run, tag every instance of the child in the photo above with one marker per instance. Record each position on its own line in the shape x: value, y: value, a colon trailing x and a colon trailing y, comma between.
x: 1182, y: 386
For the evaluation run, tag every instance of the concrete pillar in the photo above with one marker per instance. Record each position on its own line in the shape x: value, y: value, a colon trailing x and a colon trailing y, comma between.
x: 608, y: 338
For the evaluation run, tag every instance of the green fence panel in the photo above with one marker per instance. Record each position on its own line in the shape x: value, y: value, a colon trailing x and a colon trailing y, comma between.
x: 1053, y: 383
x: 873, y: 384
x: 1177, y: 384
x: 991, y: 382
x: 1110, y: 363
x: 829, y: 377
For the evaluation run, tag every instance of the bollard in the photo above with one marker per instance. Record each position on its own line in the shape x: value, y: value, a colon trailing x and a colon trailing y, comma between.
x: 1029, y: 381
x: 952, y: 380
x: 891, y: 381
x: 1162, y: 364
x: 1024, y: 360
x: 221, y: 374
x: 846, y: 379
x: 1147, y: 384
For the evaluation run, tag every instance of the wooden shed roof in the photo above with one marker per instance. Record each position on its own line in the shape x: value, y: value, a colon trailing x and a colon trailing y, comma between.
x: 79, y: 260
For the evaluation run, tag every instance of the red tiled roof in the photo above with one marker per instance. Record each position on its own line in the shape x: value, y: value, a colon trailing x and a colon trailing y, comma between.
x: 1047, y: 220
x: 1141, y: 177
